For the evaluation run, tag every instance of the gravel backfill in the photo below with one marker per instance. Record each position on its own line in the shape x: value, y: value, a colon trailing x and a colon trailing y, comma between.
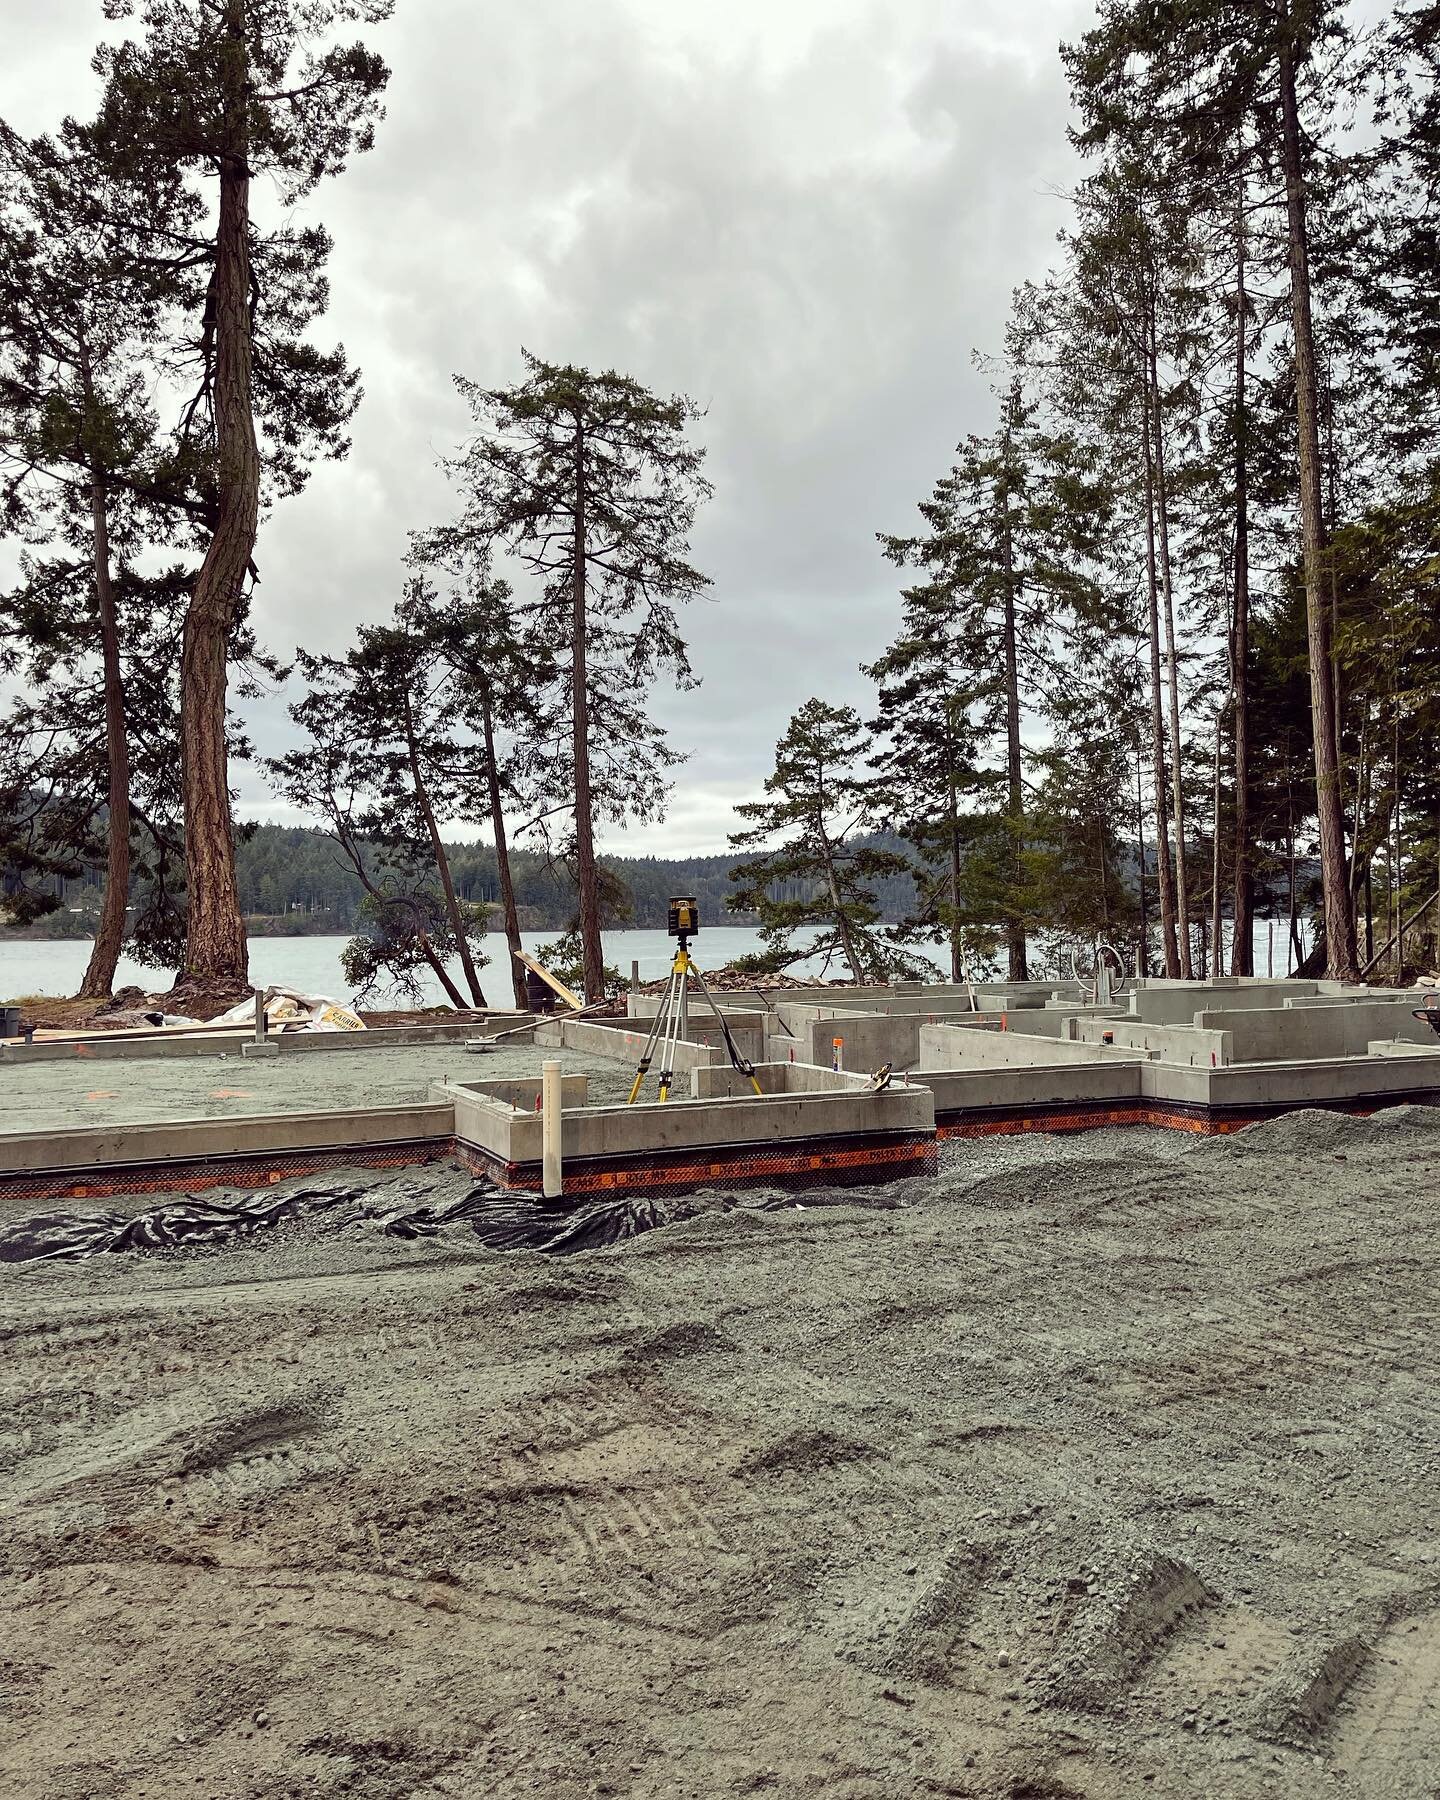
x: 1094, y: 1466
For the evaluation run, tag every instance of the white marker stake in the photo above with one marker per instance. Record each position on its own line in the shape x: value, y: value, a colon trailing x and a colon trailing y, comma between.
x: 553, y: 1181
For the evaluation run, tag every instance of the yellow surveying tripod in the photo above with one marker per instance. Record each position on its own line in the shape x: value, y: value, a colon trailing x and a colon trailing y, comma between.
x: 672, y: 1018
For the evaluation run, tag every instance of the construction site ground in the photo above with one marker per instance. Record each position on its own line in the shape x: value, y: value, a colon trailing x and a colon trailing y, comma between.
x: 43, y: 1096
x: 1096, y: 1466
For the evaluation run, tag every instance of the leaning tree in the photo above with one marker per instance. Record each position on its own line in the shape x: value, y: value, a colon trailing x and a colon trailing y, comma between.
x: 90, y: 485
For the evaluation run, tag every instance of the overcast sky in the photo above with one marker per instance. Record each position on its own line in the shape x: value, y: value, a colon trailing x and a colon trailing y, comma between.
x: 806, y: 214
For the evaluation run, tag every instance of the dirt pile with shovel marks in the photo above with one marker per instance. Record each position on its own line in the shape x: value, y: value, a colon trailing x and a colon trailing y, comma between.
x: 1093, y: 1467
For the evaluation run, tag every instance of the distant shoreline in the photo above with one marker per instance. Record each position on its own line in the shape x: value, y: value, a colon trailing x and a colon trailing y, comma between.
x: 274, y: 928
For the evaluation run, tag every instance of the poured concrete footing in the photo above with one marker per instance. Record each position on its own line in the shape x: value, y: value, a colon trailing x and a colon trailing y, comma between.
x: 1056, y: 1063
x: 806, y: 1127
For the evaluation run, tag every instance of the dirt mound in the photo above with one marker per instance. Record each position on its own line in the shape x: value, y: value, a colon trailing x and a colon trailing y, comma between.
x: 194, y: 998
x: 1122, y: 1622
x: 1316, y: 1131
x: 913, y: 1623
x: 692, y: 1337
x: 803, y: 1452
x: 1058, y: 1184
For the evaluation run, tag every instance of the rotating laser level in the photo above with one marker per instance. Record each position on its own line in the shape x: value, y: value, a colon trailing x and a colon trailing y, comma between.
x: 672, y: 1019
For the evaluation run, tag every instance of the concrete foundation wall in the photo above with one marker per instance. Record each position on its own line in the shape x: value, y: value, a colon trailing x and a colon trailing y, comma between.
x: 721, y: 1082
x: 522, y: 1092
x: 1354, y: 996
x: 1177, y: 1003
x: 801, y: 1104
x: 1342, y: 1028
x: 184, y: 1140
x: 775, y: 1118
x: 509, y: 1133
x: 903, y: 997
x: 615, y: 1041
x: 1188, y: 1044
x: 868, y: 1041
x: 1356, y: 1079
x: 965, y: 1046
x: 143, y: 1044
x: 1238, y: 1089
x: 955, y: 1089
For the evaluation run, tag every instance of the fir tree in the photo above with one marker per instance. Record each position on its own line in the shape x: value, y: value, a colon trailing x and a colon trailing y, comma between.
x: 239, y: 91
x: 591, y: 482
x: 1009, y: 536
x: 820, y: 800
x: 88, y: 483
x: 1192, y: 78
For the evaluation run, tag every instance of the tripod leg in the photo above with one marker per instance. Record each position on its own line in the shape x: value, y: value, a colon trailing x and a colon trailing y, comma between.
x: 677, y: 1013
x: 737, y: 1062
x: 647, y: 1054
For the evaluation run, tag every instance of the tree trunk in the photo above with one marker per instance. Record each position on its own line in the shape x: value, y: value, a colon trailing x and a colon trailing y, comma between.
x: 215, y: 947
x: 1015, y: 792
x: 1399, y: 854
x: 1296, y: 954
x: 502, y: 849
x: 1162, y: 511
x: 591, y: 947
x: 99, y: 978
x: 1242, y: 949
x: 442, y: 861
x: 1142, y: 955
x: 842, y: 920
x: 1217, y: 927
x: 1104, y: 879
x: 1366, y: 779
x: 952, y: 828
x: 1339, y: 913
x: 1165, y: 877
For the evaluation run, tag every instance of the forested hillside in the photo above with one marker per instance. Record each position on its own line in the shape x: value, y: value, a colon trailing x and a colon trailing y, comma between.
x: 293, y: 882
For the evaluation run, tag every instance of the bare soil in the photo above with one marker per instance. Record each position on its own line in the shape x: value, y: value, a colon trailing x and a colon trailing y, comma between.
x: 1094, y: 1467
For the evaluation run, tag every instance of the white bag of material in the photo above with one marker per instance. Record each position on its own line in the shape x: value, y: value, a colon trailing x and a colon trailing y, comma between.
x: 288, y: 1009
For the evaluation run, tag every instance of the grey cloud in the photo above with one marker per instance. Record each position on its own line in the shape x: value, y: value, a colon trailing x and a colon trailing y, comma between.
x: 806, y: 224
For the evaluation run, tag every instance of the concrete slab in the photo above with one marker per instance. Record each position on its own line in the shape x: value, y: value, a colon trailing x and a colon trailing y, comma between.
x: 209, y: 1040
x: 56, y: 1095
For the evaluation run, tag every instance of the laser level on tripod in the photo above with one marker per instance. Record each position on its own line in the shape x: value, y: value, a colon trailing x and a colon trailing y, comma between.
x: 672, y: 1019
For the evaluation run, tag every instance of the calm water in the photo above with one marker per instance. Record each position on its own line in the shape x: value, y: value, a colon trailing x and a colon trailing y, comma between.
x: 313, y: 964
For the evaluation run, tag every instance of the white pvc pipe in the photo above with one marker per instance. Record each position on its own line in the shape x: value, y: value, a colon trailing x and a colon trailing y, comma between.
x: 552, y: 1177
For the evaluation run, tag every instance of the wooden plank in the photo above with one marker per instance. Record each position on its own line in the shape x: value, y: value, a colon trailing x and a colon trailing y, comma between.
x: 551, y: 981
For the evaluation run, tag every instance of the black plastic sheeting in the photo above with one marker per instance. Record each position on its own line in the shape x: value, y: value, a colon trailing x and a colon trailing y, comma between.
x: 501, y: 1220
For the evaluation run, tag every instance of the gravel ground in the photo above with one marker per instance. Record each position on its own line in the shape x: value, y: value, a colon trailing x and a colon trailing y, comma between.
x: 1092, y: 1467
x: 45, y: 1096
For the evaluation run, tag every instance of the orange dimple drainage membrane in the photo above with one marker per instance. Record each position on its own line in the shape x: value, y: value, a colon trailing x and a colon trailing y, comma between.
x: 1203, y: 1120
x: 193, y: 1177
x: 848, y: 1161
x: 859, y: 1159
